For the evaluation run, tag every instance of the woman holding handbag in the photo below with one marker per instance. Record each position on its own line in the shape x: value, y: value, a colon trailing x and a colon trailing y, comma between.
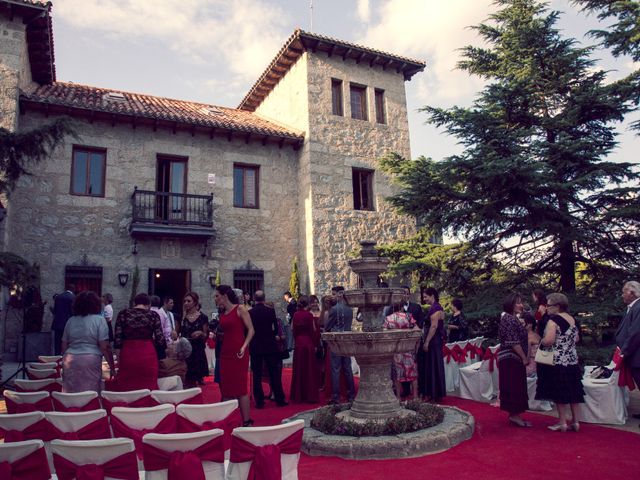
x: 512, y: 361
x: 564, y: 383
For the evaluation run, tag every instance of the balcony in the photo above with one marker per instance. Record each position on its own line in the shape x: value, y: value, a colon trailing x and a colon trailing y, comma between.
x: 171, y: 214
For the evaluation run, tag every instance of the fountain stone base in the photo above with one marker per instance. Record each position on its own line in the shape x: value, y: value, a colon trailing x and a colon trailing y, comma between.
x: 374, y: 353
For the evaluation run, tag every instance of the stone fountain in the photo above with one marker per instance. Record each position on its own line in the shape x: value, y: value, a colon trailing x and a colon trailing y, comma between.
x: 373, y: 348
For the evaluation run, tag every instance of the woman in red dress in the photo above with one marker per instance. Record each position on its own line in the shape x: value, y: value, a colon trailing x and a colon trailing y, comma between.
x: 234, y: 358
x: 304, y: 381
x: 139, y: 341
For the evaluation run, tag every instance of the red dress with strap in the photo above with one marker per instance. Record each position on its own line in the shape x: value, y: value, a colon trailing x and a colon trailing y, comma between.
x: 233, y: 370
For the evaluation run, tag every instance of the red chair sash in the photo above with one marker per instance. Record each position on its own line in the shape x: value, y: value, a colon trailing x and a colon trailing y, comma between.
x: 120, y: 429
x: 30, y: 467
x: 447, y: 354
x: 34, y: 377
x: 233, y: 420
x: 459, y: 354
x: 125, y: 467
x: 183, y: 465
x: 36, y: 431
x: 52, y: 387
x: 42, y: 405
x: 471, y: 350
x: 93, y: 404
x: 625, y: 378
x: 492, y: 357
x: 95, y: 430
x: 265, y: 460
x: 479, y: 352
x: 142, y: 402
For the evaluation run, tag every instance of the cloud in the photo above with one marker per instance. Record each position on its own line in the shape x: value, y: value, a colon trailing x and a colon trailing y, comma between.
x: 363, y: 10
x: 243, y: 34
x: 432, y: 31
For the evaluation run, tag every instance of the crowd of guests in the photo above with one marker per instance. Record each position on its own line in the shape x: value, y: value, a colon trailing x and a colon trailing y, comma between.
x: 149, y: 343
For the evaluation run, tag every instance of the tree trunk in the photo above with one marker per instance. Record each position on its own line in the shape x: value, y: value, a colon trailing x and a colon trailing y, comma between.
x: 567, y: 267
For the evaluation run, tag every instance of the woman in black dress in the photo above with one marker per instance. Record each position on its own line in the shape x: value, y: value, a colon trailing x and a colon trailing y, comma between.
x: 195, y: 327
x: 431, y: 382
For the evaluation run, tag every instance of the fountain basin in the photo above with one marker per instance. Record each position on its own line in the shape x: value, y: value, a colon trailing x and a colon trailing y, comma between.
x: 372, y: 344
x: 374, y: 297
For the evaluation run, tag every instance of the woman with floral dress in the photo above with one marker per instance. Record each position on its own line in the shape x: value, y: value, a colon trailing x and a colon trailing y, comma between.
x: 405, y: 368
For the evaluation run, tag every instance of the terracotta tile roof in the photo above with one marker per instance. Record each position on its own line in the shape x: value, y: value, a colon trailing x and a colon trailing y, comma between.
x: 301, y: 41
x: 147, y: 107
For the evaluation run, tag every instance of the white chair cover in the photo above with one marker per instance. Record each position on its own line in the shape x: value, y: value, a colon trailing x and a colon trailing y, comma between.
x: 12, y: 452
x: 50, y: 358
x: 74, y: 400
x: 176, y: 396
x: 605, y: 401
x: 468, y: 358
x: 142, y: 418
x: 130, y: 396
x: 451, y: 367
x: 43, y: 365
x: 36, y: 385
x: 73, y: 421
x: 184, y: 442
x: 212, y: 412
x: 476, y: 381
x: 19, y: 421
x: 96, y: 452
x: 42, y: 373
x: 25, y: 397
x: 538, y: 405
x: 170, y: 383
x: 261, y: 436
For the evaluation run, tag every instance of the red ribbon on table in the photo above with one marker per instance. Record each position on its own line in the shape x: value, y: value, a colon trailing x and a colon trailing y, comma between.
x: 265, y: 460
x: 625, y: 378
x: 30, y: 467
x: 36, y: 431
x: 186, y: 465
x: 42, y: 405
x: 120, y: 429
x: 93, y: 404
x: 231, y: 421
x: 492, y: 357
x: 95, y: 430
x: 142, y: 402
x: 124, y: 467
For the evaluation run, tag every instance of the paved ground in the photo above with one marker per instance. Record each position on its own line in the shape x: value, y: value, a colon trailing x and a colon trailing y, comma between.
x: 632, y: 425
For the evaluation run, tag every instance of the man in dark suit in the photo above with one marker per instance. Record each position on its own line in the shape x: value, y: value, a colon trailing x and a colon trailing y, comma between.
x: 62, y: 310
x: 292, y: 308
x: 264, y: 348
x: 628, y: 333
x: 340, y: 320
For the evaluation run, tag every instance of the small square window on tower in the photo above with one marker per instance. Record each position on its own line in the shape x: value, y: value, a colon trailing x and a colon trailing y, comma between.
x: 362, y: 189
x: 336, y: 97
x: 358, y: 101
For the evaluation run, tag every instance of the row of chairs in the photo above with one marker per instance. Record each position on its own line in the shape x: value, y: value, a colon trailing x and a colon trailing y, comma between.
x: 24, y: 402
x: 457, y: 355
x: 254, y: 453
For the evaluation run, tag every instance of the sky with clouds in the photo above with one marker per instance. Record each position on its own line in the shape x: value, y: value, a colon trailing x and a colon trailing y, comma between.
x: 212, y: 51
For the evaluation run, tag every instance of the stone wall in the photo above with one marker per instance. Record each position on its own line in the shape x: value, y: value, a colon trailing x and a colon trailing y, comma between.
x: 49, y: 226
x: 339, y: 143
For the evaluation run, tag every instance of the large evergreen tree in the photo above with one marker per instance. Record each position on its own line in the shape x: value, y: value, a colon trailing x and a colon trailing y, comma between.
x: 531, y: 187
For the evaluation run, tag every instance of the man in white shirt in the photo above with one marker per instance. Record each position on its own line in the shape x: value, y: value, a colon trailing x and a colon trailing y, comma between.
x: 167, y: 307
x: 156, y: 306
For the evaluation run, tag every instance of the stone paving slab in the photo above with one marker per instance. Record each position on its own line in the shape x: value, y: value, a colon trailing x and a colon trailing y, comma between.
x: 457, y: 426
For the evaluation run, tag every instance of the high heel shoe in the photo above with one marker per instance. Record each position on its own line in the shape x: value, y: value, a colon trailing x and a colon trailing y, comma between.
x: 575, y: 427
x: 247, y: 423
x: 558, y: 427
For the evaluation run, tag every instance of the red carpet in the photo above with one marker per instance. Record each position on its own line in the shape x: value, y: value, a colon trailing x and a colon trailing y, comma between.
x: 496, y: 451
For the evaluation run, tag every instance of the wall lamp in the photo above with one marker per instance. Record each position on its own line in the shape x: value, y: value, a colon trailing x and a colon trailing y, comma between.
x: 123, y: 278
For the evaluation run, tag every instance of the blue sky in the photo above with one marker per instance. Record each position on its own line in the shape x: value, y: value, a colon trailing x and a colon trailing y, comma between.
x: 212, y: 51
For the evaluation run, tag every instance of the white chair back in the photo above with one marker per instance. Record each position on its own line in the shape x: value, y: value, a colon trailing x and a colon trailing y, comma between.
x: 25, y: 397
x: 38, y: 385
x: 74, y: 400
x: 142, y: 418
x: 42, y: 373
x: 43, y: 365
x: 184, y: 442
x: 176, y: 396
x: 128, y: 397
x: 50, y: 358
x: 212, y: 412
x: 14, y: 452
x: 94, y: 451
x: 173, y: 382
x: 73, y: 421
x: 261, y: 436
x: 19, y: 421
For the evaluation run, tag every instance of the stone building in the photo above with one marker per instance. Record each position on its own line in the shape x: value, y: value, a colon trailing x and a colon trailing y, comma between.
x: 161, y: 194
